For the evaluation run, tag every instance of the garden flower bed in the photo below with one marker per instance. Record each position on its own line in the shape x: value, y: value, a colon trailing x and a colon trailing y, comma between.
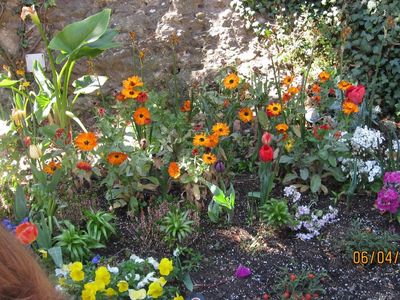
x: 264, y: 186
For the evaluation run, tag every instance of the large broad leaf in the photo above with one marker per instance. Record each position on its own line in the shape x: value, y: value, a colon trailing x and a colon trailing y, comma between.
x: 83, y: 35
x: 187, y: 281
x: 88, y: 84
x: 42, y: 106
x: 44, y: 234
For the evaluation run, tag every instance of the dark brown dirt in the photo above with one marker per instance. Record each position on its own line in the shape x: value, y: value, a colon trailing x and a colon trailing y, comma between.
x: 224, y: 247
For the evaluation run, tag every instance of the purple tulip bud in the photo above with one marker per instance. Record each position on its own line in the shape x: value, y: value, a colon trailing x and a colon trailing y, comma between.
x: 220, y: 166
x: 242, y: 272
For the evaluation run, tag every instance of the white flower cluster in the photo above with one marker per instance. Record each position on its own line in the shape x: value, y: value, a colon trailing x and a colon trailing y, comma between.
x: 312, y: 223
x: 369, y: 168
x: 395, y: 145
x: 365, y: 139
x: 291, y: 193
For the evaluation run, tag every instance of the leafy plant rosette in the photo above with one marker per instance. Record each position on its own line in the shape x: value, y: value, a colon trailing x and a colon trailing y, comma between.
x: 135, y: 279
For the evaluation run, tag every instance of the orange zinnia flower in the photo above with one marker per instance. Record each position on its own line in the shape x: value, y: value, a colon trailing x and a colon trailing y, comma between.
x: 245, y: 115
x: 86, y: 141
x: 174, y: 170
x: 116, y: 158
x: 120, y: 97
x: 83, y: 165
x: 142, y: 116
x: 274, y: 109
x: 231, y: 81
x: 51, y: 167
x: 212, y: 140
x: 209, y: 158
x: 200, y: 140
x: 324, y: 76
x: 130, y: 94
x: 287, y: 80
x: 317, y: 98
x: 221, y: 129
x: 132, y: 83
x: 344, y: 85
x: 349, y: 108
x: 186, y: 106
x: 282, y: 128
x: 293, y: 90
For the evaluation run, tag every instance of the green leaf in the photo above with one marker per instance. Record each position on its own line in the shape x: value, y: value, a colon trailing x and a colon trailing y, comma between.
x: 83, y: 35
x: 21, y: 210
x: 44, y: 234
x: 332, y: 160
x: 289, y: 177
x: 304, y: 173
x: 315, y: 183
x: 323, y: 154
x: 7, y: 82
x: 88, y: 84
x: 44, y: 84
x: 187, y: 281
x: 285, y: 159
x: 56, y: 255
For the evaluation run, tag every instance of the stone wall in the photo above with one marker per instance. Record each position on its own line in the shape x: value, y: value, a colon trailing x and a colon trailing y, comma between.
x: 209, y: 31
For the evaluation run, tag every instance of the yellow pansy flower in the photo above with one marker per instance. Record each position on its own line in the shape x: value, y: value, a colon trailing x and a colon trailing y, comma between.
x: 137, y: 294
x: 103, y: 275
x: 165, y: 266
x: 162, y: 281
x: 155, y: 290
x: 110, y: 292
x: 123, y: 286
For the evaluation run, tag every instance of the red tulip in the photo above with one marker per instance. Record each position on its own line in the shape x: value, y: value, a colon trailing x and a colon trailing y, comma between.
x: 26, y: 232
x: 311, y: 276
x: 266, y: 138
x: 293, y: 277
x: 266, y: 153
x: 355, y: 94
x: 286, y: 295
x: 265, y: 296
x: 308, y: 297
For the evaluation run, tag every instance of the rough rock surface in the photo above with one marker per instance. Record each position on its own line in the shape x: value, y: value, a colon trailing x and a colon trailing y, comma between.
x: 209, y: 33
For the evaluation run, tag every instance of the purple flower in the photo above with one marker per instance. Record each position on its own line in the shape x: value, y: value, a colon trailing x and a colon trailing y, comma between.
x: 242, y: 272
x: 220, y: 166
x: 8, y: 225
x: 392, y: 177
x: 388, y: 200
x: 96, y: 259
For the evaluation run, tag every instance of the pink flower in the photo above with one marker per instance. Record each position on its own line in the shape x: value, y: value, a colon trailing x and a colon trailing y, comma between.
x: 266, y: 138
x: 242, y: 272
x: 388, y: 200
x: 355, y: 94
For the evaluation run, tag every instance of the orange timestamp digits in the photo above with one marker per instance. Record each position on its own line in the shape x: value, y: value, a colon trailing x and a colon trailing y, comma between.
x: 375, y: 257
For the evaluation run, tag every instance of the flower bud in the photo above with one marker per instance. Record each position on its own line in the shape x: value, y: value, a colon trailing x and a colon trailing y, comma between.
x: 35, y: 152
x: 18, y: 116
x: 219, y: 166
x: 143, y: 144
x: 266, y: 138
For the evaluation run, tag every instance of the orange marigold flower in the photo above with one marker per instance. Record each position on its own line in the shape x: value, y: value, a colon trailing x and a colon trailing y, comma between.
x: 316, y: 88
x: 221, y: 129
x: 130, y: 93
x: 245, y: 115
x: 186, y: 106
x: 344, y: 85
x: 324, y: 76
x: 132, y: 83
x: 209, y: 158
x: 349, y: 108
x: 212, y: 140
x: 51, y: 167
x: 286, y: 97
x: 282, y: 127
x: 142, y: 116
x: 293, y: 90
x: 83, y: 165
x: 174, y: 170
x: 20, y: 72
x: 116, y: 158
x: 274, y: 109
x: 86, y: 141
x: 231, y: 81
x: 200, y: 140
